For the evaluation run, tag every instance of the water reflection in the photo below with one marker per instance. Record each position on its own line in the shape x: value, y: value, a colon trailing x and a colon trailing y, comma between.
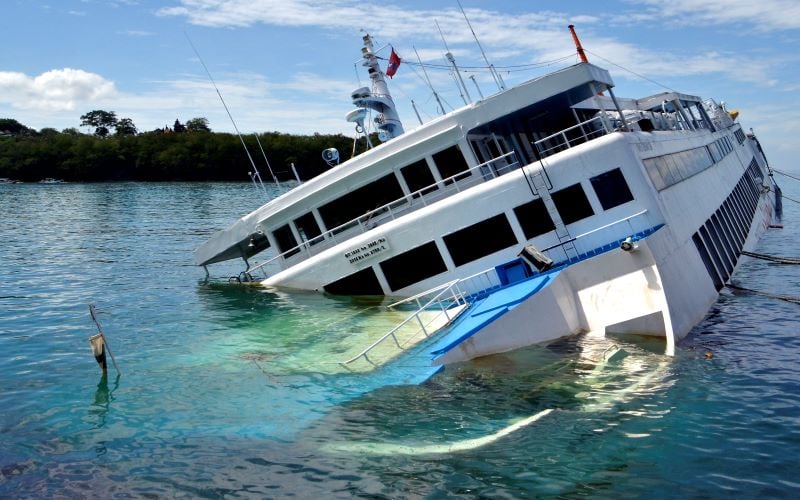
x: 103, y: 397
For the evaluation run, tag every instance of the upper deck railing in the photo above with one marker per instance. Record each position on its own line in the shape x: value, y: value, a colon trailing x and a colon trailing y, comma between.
x: 411, y: 202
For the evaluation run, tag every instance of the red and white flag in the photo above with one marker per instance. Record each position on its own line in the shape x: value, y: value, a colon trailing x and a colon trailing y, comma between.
x: 394, y: 63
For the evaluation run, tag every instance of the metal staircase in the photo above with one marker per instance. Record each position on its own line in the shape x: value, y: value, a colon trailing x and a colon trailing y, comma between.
x: 541, y: 186
x: 431, y: 316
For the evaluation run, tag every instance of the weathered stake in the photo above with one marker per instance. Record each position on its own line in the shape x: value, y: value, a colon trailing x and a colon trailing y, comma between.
x: 99, y: 344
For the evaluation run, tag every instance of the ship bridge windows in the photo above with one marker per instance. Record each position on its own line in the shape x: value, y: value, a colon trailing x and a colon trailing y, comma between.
x: 360, y: 201
x: 611, y: 189
x: 572, y: 204
x: 285, y: 240
x: 418, y: 176
x: 450, y: 162
x: 412, y: 266
x: 534, y: 218
x: 479, y: 240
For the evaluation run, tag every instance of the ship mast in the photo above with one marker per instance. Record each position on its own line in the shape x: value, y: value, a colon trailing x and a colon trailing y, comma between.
x: 376, y: 98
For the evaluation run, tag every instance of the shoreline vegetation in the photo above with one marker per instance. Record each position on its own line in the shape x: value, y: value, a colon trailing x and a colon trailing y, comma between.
x: 183, y: 152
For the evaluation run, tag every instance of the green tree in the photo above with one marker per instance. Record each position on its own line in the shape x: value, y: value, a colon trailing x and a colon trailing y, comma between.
x: 125, y: 126
x: 101, y: 120
x: 198, y: 125
x: 13, y: 127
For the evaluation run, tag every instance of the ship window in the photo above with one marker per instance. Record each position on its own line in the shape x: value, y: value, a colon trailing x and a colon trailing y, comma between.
x: 285, y: 240
x: 714, y: 251
x: 611, y: 189
x: 479, y: 240
x: 534, y: 219
x: 716, y: 155
x: 450, y: 162
x: 308, y: 228
x: 363, y: 282
x: 412, y: 266
x: 727, y: 261
x: 735, y: 220
x: 418, y: 175
x: 360, y: 201
x: 712, y: 271
x: 572, y: 204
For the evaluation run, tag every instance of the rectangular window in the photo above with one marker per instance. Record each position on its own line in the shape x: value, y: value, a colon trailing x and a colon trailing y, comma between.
x: 480, y: 240
x: 285, y: 239
x: 534, y: 219
x: 572, y: 204
x: 418, y: 175
x: 450, y: 162
x: 712, y: 271
x: 714, y: 252
x: 413, y: 266
x: 363, y: 282
x: 611, y: 189
x: 308, y: 228
x: 360, y: 201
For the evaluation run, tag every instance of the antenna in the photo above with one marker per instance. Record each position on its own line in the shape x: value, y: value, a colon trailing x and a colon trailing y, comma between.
x: 462, y: 89
x: 497, y: 79
x: 435, y: 94
x: 268, y: 165
x: 229, y: 113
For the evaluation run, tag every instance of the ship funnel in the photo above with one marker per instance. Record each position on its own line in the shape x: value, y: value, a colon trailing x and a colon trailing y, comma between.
x: 377, y: 98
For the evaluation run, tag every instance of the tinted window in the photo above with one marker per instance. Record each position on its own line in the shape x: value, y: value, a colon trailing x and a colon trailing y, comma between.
x: 363, y: 282
x: 360, y: 201
x: 611, y: 189
x: 413, y: 266
x: 285, y: 239
x: 534, y: 219
x: 308, y: 228
x: 480, y: 239
x: 418, y: 175
x: 572, y: 204
x: 450, y: 161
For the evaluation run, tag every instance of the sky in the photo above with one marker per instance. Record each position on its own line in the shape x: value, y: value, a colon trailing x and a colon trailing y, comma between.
x: 290, y: 65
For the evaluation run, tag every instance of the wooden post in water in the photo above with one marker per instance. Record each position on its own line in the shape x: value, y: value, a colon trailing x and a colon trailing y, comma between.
x: 99, y: 344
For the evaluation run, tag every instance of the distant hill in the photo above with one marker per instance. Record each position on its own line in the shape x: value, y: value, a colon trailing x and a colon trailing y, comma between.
x: 160, y: 155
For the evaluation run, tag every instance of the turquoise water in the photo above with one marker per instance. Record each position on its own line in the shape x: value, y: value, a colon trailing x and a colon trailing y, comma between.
x: 233, y: 390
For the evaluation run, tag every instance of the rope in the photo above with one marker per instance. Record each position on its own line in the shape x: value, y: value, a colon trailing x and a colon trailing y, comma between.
x: 784, y: 196
x: 788, y: 298
x: 772, y: 258
x: 786, y: 174
x: 630, y: 71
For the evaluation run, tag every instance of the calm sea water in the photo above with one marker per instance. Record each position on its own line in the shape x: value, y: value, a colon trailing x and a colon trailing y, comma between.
x: 231, y: 391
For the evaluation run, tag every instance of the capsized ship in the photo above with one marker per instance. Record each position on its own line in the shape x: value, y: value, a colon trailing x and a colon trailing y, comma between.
x: 550, y: 208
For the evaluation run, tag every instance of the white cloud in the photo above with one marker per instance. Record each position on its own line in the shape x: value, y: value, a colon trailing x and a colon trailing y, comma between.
x: 54, y: 90
x: 761, y: 15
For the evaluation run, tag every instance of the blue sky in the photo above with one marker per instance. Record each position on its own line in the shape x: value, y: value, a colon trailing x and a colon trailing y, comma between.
x: 288, y: 65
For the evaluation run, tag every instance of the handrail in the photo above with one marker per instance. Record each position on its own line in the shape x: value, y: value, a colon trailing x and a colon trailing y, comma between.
x: 624, y: 219
x: 566, y: 141
x: 366, y: 217
x: 458, y: 298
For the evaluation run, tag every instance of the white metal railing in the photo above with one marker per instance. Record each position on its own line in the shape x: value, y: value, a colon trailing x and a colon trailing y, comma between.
x: 455, y: 297
x: 392, y: 210
x: 560, y: 141
x: 592, y: 231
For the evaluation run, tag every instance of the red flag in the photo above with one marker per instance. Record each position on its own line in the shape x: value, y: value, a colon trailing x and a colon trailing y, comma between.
x: 394, y: 63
